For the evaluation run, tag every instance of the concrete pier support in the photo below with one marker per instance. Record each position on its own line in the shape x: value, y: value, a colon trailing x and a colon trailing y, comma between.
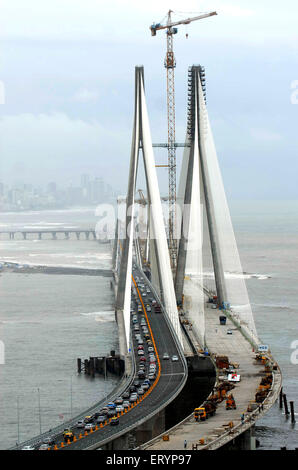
x: 39, y: 236
x: 87, y: 234
x: 24, y: 235
x: 54, y: 235
x: 66, y: 235
x: 78, y: 235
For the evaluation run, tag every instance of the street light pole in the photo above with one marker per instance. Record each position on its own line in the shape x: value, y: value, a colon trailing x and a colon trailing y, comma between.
x: 39, y: 411
x: 18, y: 418
x: 71, y: 396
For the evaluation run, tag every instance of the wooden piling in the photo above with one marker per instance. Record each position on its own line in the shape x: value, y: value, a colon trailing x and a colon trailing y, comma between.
x: 286, y: 405
x: 292, y: 412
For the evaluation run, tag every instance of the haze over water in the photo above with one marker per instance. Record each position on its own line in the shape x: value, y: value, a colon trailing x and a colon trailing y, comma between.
x: 47, y: 321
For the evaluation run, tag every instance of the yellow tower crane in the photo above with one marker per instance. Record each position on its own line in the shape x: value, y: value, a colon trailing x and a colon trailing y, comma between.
x: 170, y: 64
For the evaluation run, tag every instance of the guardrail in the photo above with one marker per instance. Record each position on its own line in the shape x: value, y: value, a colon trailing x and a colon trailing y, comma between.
x: 249, y: 421
x: 120, y: 388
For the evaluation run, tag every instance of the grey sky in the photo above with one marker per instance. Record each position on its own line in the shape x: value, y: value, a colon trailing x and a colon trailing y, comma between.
x: 68, y: 70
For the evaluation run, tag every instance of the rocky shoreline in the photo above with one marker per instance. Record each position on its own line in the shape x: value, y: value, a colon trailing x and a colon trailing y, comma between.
x: 39, y: 269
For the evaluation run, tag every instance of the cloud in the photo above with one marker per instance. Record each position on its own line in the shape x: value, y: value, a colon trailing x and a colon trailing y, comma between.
x: 83, y: 95
x: 265, y: 135
x: 55, y: 147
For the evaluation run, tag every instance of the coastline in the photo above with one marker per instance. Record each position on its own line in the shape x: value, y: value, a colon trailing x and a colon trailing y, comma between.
x: 43, y: 269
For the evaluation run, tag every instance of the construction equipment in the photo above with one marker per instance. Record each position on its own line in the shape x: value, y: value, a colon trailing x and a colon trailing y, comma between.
x: 204, y: 412
x: 222, y: 362
x: 200, y: 414
x: 170, y: 64
x: 230, y: 403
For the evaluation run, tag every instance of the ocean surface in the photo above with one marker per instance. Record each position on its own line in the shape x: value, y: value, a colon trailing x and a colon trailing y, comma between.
x: 48, y: 320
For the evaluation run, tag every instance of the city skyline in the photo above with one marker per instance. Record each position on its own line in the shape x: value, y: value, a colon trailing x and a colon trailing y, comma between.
x: 24, y: 196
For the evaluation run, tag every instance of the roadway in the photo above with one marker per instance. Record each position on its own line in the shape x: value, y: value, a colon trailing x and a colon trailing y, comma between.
x: 170, y: 376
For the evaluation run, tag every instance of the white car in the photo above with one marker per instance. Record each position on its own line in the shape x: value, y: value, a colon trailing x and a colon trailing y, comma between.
x: 28, y: 448
x: 175, y: 358
x: 89, y: 426
x: 119, y: 408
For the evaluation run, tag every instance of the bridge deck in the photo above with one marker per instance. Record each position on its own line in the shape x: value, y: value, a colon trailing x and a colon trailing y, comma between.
x: 238, y: 350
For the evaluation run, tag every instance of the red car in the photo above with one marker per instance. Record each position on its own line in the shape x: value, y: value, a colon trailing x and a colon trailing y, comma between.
x: 143, y: 359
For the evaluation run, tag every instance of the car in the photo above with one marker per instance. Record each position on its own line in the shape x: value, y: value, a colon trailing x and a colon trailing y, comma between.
x: 101, y: 419
x: 28, y: 448
x: 136, y: 328
x: 145, y: 386
x: 140, y: 352
x: 88, y: 419
x: 132, y: 389
x: 140, y: 391
x: 150, y: 349
x: 140, y: 341
x: 133, y: 399
x: 143, y: 359
x: 43, y: 447
x: 111, y: 404
x: 126, y: 404
x: 104, y: 410
x: 80, y: 424
x: 89, y: 426
x: 144, y: 294
x: 166, y: 356
x: 119, y: 408
x: 151, y: 377
x: 50, y: 440
x: 229, y: 332
x: 140, y: 347
x: 68, y: 435
x: 119, y: 401
x: 141, y: 374
x: 125, y: 395
x: 137, y: 383
x: 114, y: 421
x: 111, y: 412
x: 148, y: 309
x: 175, y: 358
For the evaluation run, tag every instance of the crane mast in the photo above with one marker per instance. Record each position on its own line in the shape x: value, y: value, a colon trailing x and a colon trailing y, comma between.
x: 170, y: 64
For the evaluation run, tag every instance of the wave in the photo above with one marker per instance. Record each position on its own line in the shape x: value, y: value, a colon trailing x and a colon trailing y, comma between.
x: 102, y: 317
x: 277, y: 306
x: 243, y: 275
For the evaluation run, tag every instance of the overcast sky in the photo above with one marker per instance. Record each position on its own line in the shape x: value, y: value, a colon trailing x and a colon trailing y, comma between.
x: 68, y: 71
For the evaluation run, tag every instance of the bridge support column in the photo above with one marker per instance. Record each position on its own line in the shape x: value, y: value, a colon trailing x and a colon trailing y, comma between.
x: 54, y: 235
x: 39, y: 236
x: 66, y: 235
x: 24, y: 235
x: 78, y: 235
x: 11, y: 235
x: 87, y: 235
x: 94, y: 235
x: 246, y: 441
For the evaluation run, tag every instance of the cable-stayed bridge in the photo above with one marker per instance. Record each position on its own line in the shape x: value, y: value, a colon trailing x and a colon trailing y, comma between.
x: 195, y: 317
